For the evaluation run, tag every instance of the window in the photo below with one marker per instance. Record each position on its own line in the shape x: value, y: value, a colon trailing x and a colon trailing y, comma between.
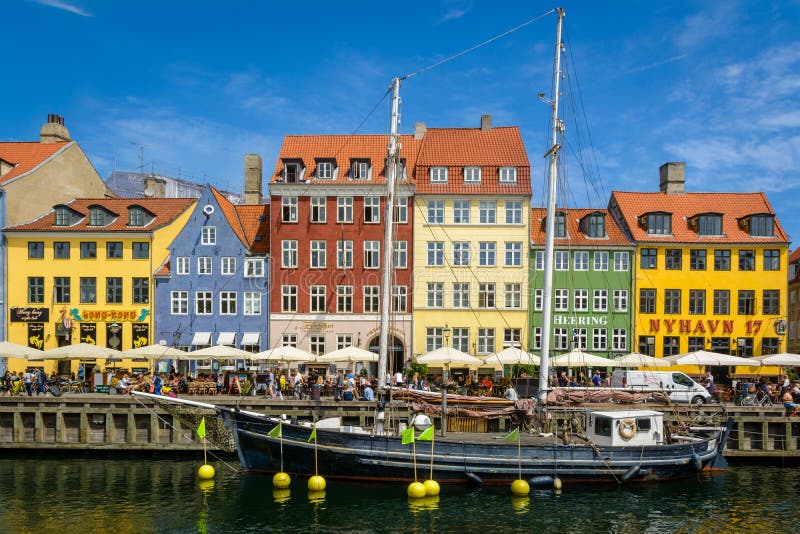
x: 438, y: 175
x: 747, y: 260
x: 486, y: 253
x: 435, y: 253
x: 672, y: 301
x: 401, y: 210
x: 537, y: 299
x: 772, y: 260
x: 141, y: 250
x: 580, y: 300
x: 359, y: 170
x: 581, y: 260
x: 372, y: 254
x: 487, y: 211
x: 318, y: 210
x: 620, y: 300
x: 88, y: 289
x: 659, y: 224
x: 208, y: 235
x: 722, y: 302
x: 513, y: 254
x: 254, y: 267
x: 289, y: 254
x: 461, y: 253
x: 291, y: 173
x: 433, y: 338
x: 372, y: 210
x: 648, y: 258
x: 343, y: 341
x: 539, y: 260
x: 141, y: 290
x: 512, y: 337
x: 318, y: 304
x: 319, y: 256
x: 435, y: 211
x: 435, y: 295
x: 289, y: 340
x: 696, y: 343
x: 599, y: 339
x: 460, y: 295
x: 621, y: 261
x: 344, y: 210
x: 372, y: 298
x: 537, y: 338
x: 561, y: 300
x: 697, y: 259
x: 324, y: 170
x: 709, y: 225
x: 228, y: 267
x: 400, y: 256
x: 486, y: 342
x: 761, y: 226
x: 513, y: 212
x: 672, y: 258
x: 289, y: 209
x: 560, y: 229
x: 513, y: 296
x: 179, y: 302
x: 508, y: 175
x: 722, y: 260
x: 562, y: 260
x: 596, y: 225
x: 747, y: 302
x: 560, y: 338
x: 63, y: 216
x: 289, y: 298
x: 399, y: 299
x: 461, y: 211
x: 227, y: 302
x: 770, y: 301
x: 647, y: 345
x: 697, y: 302
x: 61, y: 289
x: 88, y: 250
x: 472, y: 175
x: 647, y: 301
x: 672, y: 345
x: 114, y: 290
x: 769, y: 345
x: 486, y: 295
x: 36, y: 289
x: 344, y: 254
x: 316, y: 344
x: 61, y: 250
x: 204, y: 265
x: 252, y: 303
x: 600, y: 260
x: 619, y: 339
x: 35, y: 250
x: 344, y: 299
x: 461, y: 339
x: 600, y: 300
x: 114, y: 250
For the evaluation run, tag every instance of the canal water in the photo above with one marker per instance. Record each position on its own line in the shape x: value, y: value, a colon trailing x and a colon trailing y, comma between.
x: 40, y: 493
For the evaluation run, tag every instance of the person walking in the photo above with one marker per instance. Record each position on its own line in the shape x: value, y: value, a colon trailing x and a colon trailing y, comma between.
x: 29, y: 382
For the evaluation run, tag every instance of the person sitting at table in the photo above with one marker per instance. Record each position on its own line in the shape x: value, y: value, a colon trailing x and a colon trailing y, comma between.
x: 511, y: 393
x: 347, y: 395
x: 369, y: 394
x: 124, y: 385
x: 789, y: 404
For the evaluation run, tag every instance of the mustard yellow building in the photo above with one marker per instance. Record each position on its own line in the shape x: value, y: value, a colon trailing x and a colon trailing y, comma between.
x: 471, y: 240
x: 710, y: 270
x: 83, y: 273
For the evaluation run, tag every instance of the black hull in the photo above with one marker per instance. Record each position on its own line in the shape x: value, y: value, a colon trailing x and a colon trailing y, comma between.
x: 354, y: 456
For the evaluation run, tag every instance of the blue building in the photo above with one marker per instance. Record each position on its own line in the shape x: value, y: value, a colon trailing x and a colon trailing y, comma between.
x: 214, y: 287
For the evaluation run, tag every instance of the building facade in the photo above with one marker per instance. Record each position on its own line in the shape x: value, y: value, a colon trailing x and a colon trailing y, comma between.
x: 793, y: 320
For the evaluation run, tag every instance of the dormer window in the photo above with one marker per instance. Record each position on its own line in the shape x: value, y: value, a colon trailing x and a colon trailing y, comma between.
x: 97, y: 216
x: 561, y: 225
x: 325, y: 170
x: 63, y: 216
x: 438, y: 175
x: 472, y: 175
x: 359, y: 169
x: 293, y: 171
x: 657, y: 223
x: 508, y: 175
x: 761, y: 225
x: 594, y: 225
x: 138, y: 216
x: 707, y: 224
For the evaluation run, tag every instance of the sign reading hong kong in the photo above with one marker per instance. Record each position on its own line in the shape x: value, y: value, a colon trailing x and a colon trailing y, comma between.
x: 109, y: 315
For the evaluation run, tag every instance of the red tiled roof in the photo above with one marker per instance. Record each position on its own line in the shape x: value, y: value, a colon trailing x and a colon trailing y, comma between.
x: 165, y: 210
x: 229, y: 211
x: 576, y: 237
x: 255, y: 222
x: 683, y: 206
x: 25, y: 156
x: 794, y: 256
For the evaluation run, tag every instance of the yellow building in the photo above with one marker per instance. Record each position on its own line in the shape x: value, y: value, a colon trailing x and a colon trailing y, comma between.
x: 471, y: 240
x: 711, y: 270
x: 83, y: 273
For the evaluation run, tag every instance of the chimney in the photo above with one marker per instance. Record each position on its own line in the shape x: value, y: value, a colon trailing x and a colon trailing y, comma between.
x: 673, y: 177
x: 155, y: 186
x: 486, y: 123
x: 419, y: 130
x: 54, y: 130
x: 252, y: 179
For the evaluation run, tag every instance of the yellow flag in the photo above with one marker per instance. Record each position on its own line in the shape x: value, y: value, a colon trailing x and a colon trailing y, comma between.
x: 313, y: 435
x: 275, y: 432
x: 408, y: 436
x: 427, y: 434
x: 513, y: 436
x: 201, y: 429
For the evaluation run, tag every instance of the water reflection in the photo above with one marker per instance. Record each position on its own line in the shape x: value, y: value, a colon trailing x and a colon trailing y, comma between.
x: 421, y: 504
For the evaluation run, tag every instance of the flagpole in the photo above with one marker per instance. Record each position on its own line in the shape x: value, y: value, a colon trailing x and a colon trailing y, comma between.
x: 519, y: 455
x: 414, y: 449
x: 432, y: 439
x: 316, y: 467
x: 280, y: 426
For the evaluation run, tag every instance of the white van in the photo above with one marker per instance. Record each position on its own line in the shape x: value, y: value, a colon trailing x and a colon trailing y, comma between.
x: 679, y: 386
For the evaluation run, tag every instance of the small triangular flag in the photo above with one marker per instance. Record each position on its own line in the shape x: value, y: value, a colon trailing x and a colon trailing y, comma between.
x: 201, y: 428
x: 275, y: 432
x: 427, y: 434
x: 313, y: 435
x: 513, y: 436
x: 408, y: 435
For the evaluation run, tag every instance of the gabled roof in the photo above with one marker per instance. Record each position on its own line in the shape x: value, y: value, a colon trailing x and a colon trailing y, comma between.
x: 165, y: 211
x: 683, y: 206
x: 247, y: 221
x: 575, y: 237
x: 26, y: 156
x: 794, y: 256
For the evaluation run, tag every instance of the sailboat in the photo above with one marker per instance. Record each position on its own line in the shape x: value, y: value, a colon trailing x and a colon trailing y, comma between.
x: 616, y: 446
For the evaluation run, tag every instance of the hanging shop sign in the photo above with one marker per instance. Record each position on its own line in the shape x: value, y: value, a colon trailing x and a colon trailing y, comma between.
x: 88, y: 333
x: 140, y: 335
x: 36, y: 335
x: 114, y: 336
x: 30, y: 315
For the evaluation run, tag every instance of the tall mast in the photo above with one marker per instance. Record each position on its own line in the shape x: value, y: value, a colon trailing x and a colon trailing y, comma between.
x: 552, y: 153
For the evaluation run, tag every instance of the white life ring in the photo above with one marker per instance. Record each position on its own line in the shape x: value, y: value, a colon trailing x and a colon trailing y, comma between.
x: 627, y: 428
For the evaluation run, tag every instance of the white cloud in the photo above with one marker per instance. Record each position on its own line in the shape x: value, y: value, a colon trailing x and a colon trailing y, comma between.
x: 58, y: 4
x: 452, y: 14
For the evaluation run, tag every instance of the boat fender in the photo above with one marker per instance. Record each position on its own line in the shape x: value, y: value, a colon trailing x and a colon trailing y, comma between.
x: 541, y: 481
x: 627, y: 428
x: 632, y: 470
x: 696, y: 462
x: 475, y: 479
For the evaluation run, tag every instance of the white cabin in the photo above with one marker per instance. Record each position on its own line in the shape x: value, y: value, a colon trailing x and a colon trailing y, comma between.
x: 625, y: 428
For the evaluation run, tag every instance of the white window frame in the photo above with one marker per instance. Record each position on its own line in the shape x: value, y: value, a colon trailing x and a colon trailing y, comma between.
x: 179, y: 302
x: 601, y: 260
x: 513, y: 254
x: 621, y: 261
x: 562, y: 260
x: 319, y: 254
x: 289, y: 209
x: 435, y: 211
x: 400, y: 257
x: 438, y: 175
x: 579, y: 338
x: 372, y: 210
x: 461, y: 253
x: 487, y: 297
x: 372, y: 299
x: 251, y: 300
x: 619, y: 339
x: 324, y: 170
x: 227, y: 265
x: 205, y: 266
x: 600, y: 300
x: 513, y: 296
x: 580, y: 260
x: 254, y: 267
x: 344, y: 299
x: 344, y: 254
x: 487, y: 254
x: 539, y: 260
x: 400, y: 299
x: 487, y: 212
x: 460, y: 294
x: 486, y: 340
x: 580, y: 300
x: 561, y: 299
x: 435, y: 295
x: 182, y: 265
x: 372, y: 254
x: 560, y: 338
x: 208, y: 235
x: 538, y: 299
x: 401, y: 210
x: 289, y: 254
x: 508, y: 175
x: 344, y: 210
x: 620, y: 300
x: 318, y: 299
x: 472, y: 175
x: 513, y: 212
x: 228, y: 301
x: 600, y: 339
x: 318, y: 213
x: 435, y: 253
x: 288, y: 298
x: 461, y: 211
x: 203, y: 298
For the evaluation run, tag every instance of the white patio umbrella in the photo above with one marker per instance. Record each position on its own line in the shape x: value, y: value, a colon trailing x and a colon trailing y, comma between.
x: 154, y: 351
x: 78, y: 351
x: 511, y: 356
x: 578, y: 358
x: 635, y: 359
x: 15, y: 350
x: 350, y: 355
x: 784, y: 359
x: 286, y: 353
x: 218, y: 352
x: 704, y: 357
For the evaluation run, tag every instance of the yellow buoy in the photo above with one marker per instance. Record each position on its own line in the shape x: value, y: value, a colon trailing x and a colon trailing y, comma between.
x: 431, y: 487
x: 557, y: 483
x: 416, y: 490
x: 205, y: 485
x: 281, y: 480
x: 520, y: 487
x: 281, y: 495
x: 316, y: 483
x: 206, y: 472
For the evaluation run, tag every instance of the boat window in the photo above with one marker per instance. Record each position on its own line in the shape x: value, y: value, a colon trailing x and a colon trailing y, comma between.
x: 602, y: 426
x: 642, y: 424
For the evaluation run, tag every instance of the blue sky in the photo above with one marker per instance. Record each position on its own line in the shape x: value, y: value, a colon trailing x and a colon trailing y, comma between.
x: 201, y: 83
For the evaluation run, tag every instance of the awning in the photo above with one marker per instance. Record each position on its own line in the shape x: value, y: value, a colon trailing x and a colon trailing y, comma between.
x: 251, y: 338
x: 201, y: 339
x: 226, y: 338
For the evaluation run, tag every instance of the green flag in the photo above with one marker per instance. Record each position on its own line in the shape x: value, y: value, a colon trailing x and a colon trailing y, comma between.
x: 201, y: 429
x: 313, y: 435
x: 513, y: 436
x: 408, y: 435
x: 275, y: 432
x: 427, y: 434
